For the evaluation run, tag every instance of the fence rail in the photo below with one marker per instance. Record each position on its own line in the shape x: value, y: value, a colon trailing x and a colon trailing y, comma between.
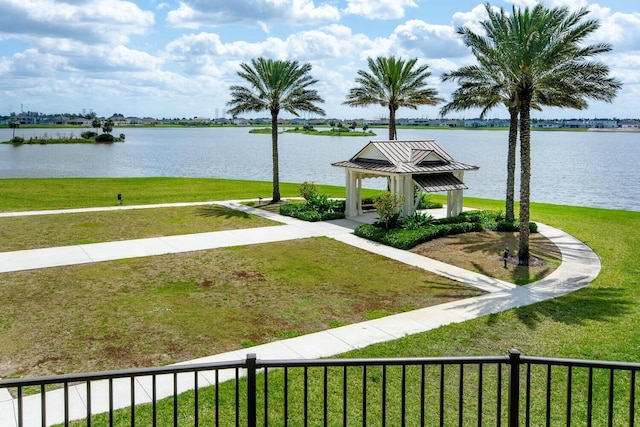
x: 511, y: 390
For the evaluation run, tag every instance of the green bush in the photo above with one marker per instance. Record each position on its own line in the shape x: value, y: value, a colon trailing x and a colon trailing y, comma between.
x: 416, y: 221
x: 290, y: 209
x: 88, y: 134
x: 17, y: 140
x: 507, y: 226
x: 308, y: 215
x: 533, y: 227
x: 389, y: 207
x: 105, y: 137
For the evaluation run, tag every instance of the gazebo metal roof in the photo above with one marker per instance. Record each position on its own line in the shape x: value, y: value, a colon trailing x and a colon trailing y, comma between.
x: 404, y: 157
x: 405, y: 164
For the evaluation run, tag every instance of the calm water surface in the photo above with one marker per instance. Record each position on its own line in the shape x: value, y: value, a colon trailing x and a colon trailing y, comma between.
x: 573, y: 168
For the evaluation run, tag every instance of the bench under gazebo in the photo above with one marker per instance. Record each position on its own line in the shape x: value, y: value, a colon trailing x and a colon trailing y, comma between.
x: 405, y: 164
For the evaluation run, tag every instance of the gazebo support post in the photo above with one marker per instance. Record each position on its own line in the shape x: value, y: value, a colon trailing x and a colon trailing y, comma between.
x: 352, y: 200
x: 454, y: 203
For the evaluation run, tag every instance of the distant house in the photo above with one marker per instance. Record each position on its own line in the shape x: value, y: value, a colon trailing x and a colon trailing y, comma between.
x: 119, y: 120
x: 453, y: 123
x: 80, y: 121
x: 240, y: 121
x: 26, y: 119
x: 134, y: 120
x: 602, y: 123
x: 150, y: 121
x: 548, y: 124
x: 575, y: 124
x: 316, y: 122
x: 630, y: 124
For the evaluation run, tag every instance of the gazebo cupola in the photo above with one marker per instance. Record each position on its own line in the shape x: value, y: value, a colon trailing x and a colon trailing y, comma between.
x: 405, y: 164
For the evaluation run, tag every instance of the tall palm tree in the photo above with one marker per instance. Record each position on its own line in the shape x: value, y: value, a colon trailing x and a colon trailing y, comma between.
x: 548, y: 63
x: 393, y: 83
x: 275, y: 85
x: 534, y: 57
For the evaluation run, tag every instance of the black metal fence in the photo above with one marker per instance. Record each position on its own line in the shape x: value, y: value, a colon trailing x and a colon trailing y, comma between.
x: 512, y: 390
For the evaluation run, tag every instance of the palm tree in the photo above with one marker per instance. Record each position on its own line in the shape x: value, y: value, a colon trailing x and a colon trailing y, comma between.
x: 96, y: 123
x: 393, y: 83
x: 546, y: 62
x: 530, y: 58
x: 275, y: 85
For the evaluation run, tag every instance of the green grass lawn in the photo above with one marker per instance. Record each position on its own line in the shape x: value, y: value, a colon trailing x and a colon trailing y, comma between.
x: 165, y: 309
x: 31, y: 232
x: 60, y: 193
x: 596, y: 322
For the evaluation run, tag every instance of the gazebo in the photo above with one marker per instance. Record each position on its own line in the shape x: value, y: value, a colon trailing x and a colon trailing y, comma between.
x: 405, y: 164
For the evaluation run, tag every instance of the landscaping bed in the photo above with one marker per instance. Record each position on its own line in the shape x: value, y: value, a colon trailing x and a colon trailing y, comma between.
x: 419, y: 228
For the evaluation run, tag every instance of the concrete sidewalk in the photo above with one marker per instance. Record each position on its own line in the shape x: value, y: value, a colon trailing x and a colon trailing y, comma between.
x: 579, y: 267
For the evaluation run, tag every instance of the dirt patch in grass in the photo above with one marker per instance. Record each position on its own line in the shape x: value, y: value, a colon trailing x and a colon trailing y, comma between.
x: 165, y: 309
x: 31, y: 232
x: 482, y: 252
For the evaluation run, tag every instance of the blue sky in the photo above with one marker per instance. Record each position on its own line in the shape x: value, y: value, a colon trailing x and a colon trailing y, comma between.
x: 177, y: 58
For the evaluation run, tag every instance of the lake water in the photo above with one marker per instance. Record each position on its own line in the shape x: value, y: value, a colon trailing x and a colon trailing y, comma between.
x: 598, y: 169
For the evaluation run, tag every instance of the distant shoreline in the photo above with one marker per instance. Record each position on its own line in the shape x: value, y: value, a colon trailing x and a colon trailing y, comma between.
x: 327, y: 126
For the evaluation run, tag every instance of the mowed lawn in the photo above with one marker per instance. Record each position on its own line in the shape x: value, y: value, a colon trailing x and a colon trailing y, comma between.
x: 599, y: 321
x: 164, y: 309
x: 42, y: 231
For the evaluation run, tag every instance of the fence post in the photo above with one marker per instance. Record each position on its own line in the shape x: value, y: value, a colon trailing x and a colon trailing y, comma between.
x: 514, y: 388
x: 251, y: 390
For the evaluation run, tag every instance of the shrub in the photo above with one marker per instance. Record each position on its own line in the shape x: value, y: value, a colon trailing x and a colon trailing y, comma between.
x: 507, y: 226
x: 105, y: 137
x: 388, y: 207
x: 533, y: 227
x: 17, y: 140
x: 88, y: 134
x: 416, y: 221
x: 290, y: 209
x: 308, y: 215
x: 319, y: 202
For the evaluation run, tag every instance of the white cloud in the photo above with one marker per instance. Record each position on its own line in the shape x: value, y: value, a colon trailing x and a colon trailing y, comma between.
x: 93, y: 21
x: 429, y: 40
x: 622, y: 30
x: 378, y: 9
x: 31, y: 63
x: 262, y: 13
x: 333, y: 42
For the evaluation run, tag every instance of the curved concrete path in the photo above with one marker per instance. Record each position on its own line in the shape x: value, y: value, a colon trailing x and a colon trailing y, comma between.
x: 580, y: 265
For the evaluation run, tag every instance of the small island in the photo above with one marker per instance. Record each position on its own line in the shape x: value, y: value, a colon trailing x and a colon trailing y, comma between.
x: 86, y: 137
x: 310, y: 130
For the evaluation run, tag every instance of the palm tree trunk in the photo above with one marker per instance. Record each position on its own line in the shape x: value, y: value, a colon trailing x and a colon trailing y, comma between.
x: 393, y: 134
x: 274, y: 155
x: 511, y: 163
x: 525, y: 180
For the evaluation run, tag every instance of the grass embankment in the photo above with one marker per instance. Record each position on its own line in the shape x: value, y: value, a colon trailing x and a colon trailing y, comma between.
x: 63, y: 193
